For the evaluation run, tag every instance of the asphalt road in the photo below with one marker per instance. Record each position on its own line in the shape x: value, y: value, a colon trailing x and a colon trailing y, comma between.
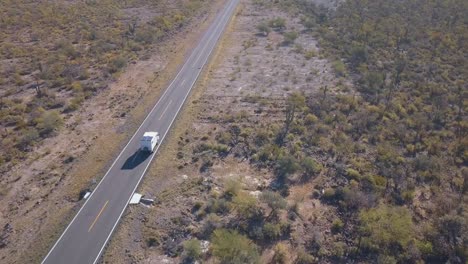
x: 84, y: 239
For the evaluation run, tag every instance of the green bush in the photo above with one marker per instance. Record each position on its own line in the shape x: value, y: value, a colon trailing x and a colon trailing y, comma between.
x: 305, y: 258
x: 48, y: 122
x: 116, y: 64
x: 192, y: 250
x: 219, y: 206
x: 277, y: 23
x: 309, y: 54
x: 245, y: 205
x: 232, y: 187
x: 28, y: 139
x: 337, y: 226
x: 353, y: 174
x: 287, y: 165
x: 263, y: 28
x: 290, y: 37
x: 385, y: 226
x: 308, y: 22
x: 310, y: 167
x: 281, y: 255
x: 274, y: 200
x: 329, y: 194
x: 230, y: 247
x: 339, y: 67
x: 271, y: 231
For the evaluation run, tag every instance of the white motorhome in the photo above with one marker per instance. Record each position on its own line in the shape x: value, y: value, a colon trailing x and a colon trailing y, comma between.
x: 148, y: 141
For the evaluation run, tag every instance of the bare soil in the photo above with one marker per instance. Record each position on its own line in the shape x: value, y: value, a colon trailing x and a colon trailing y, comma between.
x: 41, y: 194
x: 246, y: 84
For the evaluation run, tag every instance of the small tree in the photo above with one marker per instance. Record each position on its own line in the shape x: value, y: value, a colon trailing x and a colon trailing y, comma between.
x: 294, y: 103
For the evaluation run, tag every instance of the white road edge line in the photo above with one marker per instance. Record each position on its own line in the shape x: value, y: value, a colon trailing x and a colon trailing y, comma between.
x: 154, y: 153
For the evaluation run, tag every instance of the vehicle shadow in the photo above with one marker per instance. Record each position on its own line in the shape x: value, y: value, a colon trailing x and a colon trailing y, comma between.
x: 136, y: 159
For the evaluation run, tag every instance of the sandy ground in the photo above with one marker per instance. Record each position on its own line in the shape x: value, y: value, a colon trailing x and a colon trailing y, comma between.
x: 250, y: 76
x: 41, y: 195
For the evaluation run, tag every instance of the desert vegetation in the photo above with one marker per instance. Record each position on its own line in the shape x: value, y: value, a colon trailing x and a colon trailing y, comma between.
x: 54, y: 55
x: 370, y: 167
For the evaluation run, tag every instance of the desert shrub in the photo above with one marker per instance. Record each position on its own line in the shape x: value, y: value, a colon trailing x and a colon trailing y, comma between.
x: 192, y: 250
x: 274, y: 200
x: 358, y: 54
x: 308, y: 22
x: 232, y: 187
x: 338, y: 251
x: 218, y: 206
x: 245, y: 205
x: 290, y: 37
x: 206, y: 165
x: 387, y: 228
x: 230, y: 247
x: 372, y: 83
x: 287, y: 165
x: 145, y: 35
x: 337, y: 226
x: 310, y: 119
x: 353, y: 174
x: 48, y: 122
x: 116, y: 64
x: 339, y: 67
x: 277, y: 23
x: 448, y: 239
x: 263, y: 28
x: 261, y: 138
x: 310, y: 167
x: 212, y: 222
x: 281, y: 255
x: 28, y: 139
x: 309, y: 54
x: 152, y: 238
x: 304, y: 258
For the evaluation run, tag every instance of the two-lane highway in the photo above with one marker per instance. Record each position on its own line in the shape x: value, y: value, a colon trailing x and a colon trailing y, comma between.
x: 85, y: 237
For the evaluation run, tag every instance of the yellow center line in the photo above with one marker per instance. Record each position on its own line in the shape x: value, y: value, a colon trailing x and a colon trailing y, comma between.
x: 165, y: 109
x: 97, y: 217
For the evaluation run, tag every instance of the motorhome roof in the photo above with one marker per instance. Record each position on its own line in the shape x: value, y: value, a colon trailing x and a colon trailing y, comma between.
x: 150, y: 134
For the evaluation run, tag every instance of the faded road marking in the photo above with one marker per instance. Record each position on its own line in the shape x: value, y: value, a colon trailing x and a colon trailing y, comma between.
x: 97, y: 217
x: 165, y: 109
